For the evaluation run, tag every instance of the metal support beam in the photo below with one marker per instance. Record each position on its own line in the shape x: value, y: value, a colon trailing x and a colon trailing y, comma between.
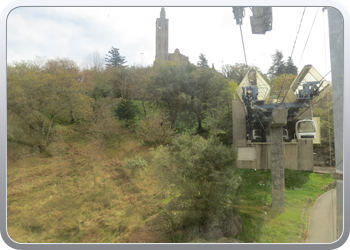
x: 280, y: 105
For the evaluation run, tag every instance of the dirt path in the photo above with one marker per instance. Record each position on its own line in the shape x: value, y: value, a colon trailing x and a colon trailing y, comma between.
x: 322, y: 219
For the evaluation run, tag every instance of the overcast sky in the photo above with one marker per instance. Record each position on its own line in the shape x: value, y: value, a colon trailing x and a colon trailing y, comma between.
x: 77, y: 32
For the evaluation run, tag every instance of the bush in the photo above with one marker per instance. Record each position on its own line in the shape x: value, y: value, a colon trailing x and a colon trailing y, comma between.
x: 202, y: 174
x: 137, y: 163
x: 104, y: 125
x: 226, y: 126
x: 126, y: 110
x: 155, y: 129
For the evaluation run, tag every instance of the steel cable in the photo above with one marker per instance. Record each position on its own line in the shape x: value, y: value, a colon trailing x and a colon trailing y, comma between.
x: 291, y: 53
x: 308, y: 36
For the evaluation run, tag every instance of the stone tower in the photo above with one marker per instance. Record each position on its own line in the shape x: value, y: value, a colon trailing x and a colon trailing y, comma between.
x: 162, y: 41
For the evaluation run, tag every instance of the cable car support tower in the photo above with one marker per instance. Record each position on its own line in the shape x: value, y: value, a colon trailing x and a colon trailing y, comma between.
x: 275, y: 133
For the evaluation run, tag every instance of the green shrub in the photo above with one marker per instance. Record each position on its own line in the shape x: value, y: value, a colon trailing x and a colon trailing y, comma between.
x: 155, y: 129
x: 126, y: 110
x: 103, y: 123
x: 225, y: 125
x: 202, y: 175
x: 136, y: 164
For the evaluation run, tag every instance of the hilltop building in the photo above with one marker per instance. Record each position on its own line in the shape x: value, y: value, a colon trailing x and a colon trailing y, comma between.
x: 162, y: 42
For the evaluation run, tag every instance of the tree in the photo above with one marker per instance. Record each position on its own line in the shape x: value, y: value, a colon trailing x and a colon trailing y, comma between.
x: 94, y: 62
x: 115, y: 81
x: 238, y: 71
x: 219, y: 119
x: 290, y: 67
x: 171, y: 88
x: 140, y: 79
x: 40, y: 97
x: 277, y: 68
x: 210, y: 91
x: 280, y: 67
x: 114, y: 59
x: 68, y: 84
x: 103, y: 86
x: 104, y: 124
x: 126, y: 110
x: 201, y: 174
x: 25, y: 124
x: 155, y: 129
x: 285, y: 80
x: 203, y: 62
x: 187, y: 95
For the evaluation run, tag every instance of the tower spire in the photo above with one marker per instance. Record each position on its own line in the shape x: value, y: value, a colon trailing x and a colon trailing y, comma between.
x: 162, y: 13
x: 162, y: 25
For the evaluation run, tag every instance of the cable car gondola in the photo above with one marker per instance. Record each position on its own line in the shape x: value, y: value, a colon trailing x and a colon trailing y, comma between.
x: 305, y: 129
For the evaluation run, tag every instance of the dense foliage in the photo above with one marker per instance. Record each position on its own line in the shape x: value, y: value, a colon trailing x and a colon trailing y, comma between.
x: 281, y: 83
x: 190, y: 99
x: 92, y: 145
x: 280, y: 67
x: 155, y: 129
x: 40, y: 97
x: 202, y: 175
x: 189, y: 95
x: 126, y: 110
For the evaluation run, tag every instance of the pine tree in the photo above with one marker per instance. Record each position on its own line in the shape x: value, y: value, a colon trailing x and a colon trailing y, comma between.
x: 280, y: 67
x: 126, y: 110
x: 114, y: 59
x: 277, y: 68
x: 203, y: 62
x: 290, y: 67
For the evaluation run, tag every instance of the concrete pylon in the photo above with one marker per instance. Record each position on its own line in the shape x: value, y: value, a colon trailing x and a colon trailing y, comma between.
x: 277, y: 121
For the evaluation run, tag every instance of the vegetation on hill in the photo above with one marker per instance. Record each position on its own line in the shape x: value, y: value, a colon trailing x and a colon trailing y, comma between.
x: 129, y: 154
x: 59, y: 92
x: 115, y: 190
x: 82, y: 142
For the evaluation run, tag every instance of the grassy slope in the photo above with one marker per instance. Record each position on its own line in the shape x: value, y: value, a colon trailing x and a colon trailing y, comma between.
x: 85, y: 195
x: 80, y: 196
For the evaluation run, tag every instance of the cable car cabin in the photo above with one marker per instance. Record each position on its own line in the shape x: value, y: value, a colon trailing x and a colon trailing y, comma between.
x: 305, y: 130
